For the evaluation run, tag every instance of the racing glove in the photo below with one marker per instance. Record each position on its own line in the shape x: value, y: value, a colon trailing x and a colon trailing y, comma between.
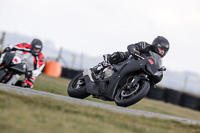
x: 132, y: 50
x: 29, y: 73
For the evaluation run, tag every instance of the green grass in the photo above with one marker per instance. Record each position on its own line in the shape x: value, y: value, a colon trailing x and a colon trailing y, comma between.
x: 51, y: 84
x: 36, y: 114
x: 27, y: 114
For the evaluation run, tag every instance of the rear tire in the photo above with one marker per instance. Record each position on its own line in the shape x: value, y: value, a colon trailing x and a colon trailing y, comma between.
x: 120, y: 100
x: 77, y: 90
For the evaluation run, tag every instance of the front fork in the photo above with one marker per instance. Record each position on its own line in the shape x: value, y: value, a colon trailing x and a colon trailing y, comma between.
x: 136, y: 79
x: 133, y: 86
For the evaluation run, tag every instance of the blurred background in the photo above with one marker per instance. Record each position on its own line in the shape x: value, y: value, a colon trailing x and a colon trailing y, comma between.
x: 77, y: 33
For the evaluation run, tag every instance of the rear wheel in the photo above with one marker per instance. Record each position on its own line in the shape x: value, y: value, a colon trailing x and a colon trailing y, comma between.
x: 77, y: 87
x: 127, y: 95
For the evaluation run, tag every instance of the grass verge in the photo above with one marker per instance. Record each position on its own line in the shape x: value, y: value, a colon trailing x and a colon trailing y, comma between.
x: 30, y: 114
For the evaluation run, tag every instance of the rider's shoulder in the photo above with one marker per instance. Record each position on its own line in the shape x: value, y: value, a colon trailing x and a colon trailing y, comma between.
x: 24, y: 45
x: 140, y: 45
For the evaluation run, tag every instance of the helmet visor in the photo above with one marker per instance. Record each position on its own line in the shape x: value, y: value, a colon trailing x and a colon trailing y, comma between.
x: 36, y: 51
x: 161, y: 50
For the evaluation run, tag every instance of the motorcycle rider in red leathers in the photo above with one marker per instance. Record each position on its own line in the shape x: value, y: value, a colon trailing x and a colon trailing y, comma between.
x: 33, y: 58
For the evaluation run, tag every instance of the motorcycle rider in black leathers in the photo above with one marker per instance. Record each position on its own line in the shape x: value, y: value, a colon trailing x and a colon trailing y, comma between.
x: 160, y: 45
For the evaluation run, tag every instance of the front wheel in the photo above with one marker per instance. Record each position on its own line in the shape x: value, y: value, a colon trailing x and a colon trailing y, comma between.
x: 77, y: 87
x: 126, y: 97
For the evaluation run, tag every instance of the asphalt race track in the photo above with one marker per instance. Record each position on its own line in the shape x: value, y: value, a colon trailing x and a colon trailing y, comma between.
x: 130, y: 111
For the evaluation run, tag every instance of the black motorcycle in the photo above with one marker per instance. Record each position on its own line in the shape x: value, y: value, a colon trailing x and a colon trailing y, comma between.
x: 11, y: 68
x: 125, y: 83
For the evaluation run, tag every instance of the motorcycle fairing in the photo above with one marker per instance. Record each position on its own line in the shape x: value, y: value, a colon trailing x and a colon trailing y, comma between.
x: 130, y: 67
x: 18, y: 68
x: 8, y: 58
x: 107, y: 87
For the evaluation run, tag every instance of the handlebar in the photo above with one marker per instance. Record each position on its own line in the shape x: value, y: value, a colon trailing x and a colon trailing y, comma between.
x: 139, y: 56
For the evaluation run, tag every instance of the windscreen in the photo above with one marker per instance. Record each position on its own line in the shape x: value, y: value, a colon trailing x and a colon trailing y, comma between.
x: 154, y: 63
x: 158, y: 59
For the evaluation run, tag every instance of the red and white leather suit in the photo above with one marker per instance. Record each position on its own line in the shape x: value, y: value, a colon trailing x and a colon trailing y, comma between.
x: 34, y: 63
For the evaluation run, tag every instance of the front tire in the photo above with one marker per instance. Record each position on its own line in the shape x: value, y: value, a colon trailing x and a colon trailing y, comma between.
x: 77, y: 87
x: 126, y: 98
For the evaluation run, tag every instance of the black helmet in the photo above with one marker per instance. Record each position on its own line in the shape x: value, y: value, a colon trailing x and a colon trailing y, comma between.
x: 160, y: 45
x: 36, y: 47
